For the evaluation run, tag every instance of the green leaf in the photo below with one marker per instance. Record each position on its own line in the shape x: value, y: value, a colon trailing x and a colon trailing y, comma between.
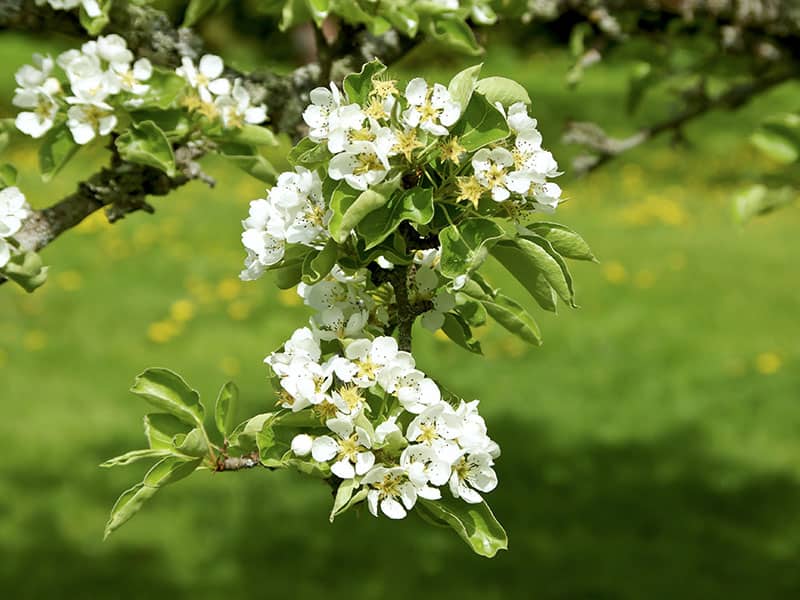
x: 503, y: 90
x: 8, y: 175
x: 507, y: 312
x: 225, y: 407
x: 95, y: 24
x: 168, y: 470
x: 249, y: 160
x: 760, y: 200
x: 309, y: 154
x: 458, y: 330
x: 146, y: 144
x: 166, y: 87
x: 779, y: 138
x: 524, y: 270
x: 349, y: 206
x: 405, y: 19
x: 249, y: 135
x: 319, y: 10
x: 294, y: 12
x: 564, y: 240
x: 7, y: 126
x: 192, y: 444
x: 167, y: 391
x: 357, y: 86
x: 555, y: 269
x: 160, y: 430
x: 317, y: 266
x: 464, y: 246
x: 173, y: 122
x: 474, y: 523
x: 345, y: 498
x: 480, y: 124
x: 245, y: 434
x: 133, y: 456
x: 57, y: 148
x: 415, y: 205
x: 463, y: 84
x: 26, y: 270
x: 454, y: 33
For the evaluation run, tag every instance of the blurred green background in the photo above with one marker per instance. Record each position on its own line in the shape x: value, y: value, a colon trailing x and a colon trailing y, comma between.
x: 651, y: 447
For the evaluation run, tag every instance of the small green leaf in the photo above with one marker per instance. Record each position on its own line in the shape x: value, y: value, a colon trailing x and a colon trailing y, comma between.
x: 550, y: 263
x: 249, y: 160
x: 160, y: 430
x: 527, y: 272
x: 347, y: 214
x: 225, y: 407
x: 507, y: 312
x: 480, y: 124
x: 415, y: 205
x: 503, y: 90
x: 133, y: 456
x: 455, y: 33
x: 146, y: 144
x: 465, y: 246
x: 165, y: 87
x: 474, y: 523
x: 564, y: 240
x: 458, y: 330
x: 57, y: 148
x: 463, y: 84
x: 198, y: 9
x: 345, y: 498
x: 26, y: 270
x: 192, y: 444
x: 166, y: 471
x: 167, y: 391
x: 317, y: 266
x: 779, y: 138
x: 245, y: 434
x: 357, y: 86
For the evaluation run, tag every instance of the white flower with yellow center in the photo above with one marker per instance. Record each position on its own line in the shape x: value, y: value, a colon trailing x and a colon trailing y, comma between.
x: 307, y: 383
x: 87, y: 121
x: 473, y: 436
x: 131, y: 77
x: 365, y: 162
x: 302, y: 345
x: 390, y: 490
x: 341, y: 309
x: 263, y: 232
x: 415, y: 391
x: 205, y: 77
x: 237, y: 109
x: 432, y: 109
x: 328, y: 118
x: 471, y: 474
x: 437, y: 427
x: 350, y: 449
x: 492, y: 169
x: 425, y: 467
x: 367, y: 359
x: 44, y: 108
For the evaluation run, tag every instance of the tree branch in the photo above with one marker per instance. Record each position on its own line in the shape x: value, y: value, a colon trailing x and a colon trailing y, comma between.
x: 604, y: 148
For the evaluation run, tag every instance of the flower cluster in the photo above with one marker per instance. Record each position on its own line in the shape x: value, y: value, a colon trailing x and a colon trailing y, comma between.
x: 294, y: 212
x: 103, y: 78
x: 215, y: 97
x: 13, y: 211
x: 101, y: 70
x: 383, y: 423
x: 523, y: 169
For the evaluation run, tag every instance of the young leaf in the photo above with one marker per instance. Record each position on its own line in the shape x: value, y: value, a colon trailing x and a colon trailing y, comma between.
x: 192, y: 444
x: 454, y: 33
x: 167, y: 391
x: 309, y: 154
x: 564, y: 241
x: 349, y: 211
x: 463, y: 84
x: 508, y: 313
x: 166, y: 471
x: 249, y: 135
x: 225, y: 407
x: 26, y: 270
x: 8, y: 175
x: 480, y: 124
x: 474, y: 523
x: 57, y: 148
x: 415, y: 205
x: 133, y: 456
x: 357, y: 86
x: 503, y: 90
x: 317, y: 265
x: 95, y: 23
x: 457, y: 329
x: 464, y: 246
x: 145, y: 143
x: 527, y: 273
x: 552, y: 265
x: 160, y: 430
x: 249, y: 160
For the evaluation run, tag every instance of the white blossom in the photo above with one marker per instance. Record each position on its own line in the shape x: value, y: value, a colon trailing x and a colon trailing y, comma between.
x: 301, y: 444
x: 13, y: 210
x: 432, y: 109
x: 437, y: 427
x: 390, y: 490
x: 351, y: 449
x: 237, y: 109
x: 327, y: 117
x: 491, y: 170
x: 473, y: 473
x: 365, y: 162
x: 206, y: 76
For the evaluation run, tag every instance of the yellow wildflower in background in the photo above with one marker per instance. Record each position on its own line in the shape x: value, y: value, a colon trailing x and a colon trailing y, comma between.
x: 34, y: 340
x: 69, y: 281
x: 615, y: 272
x: 768, y: 363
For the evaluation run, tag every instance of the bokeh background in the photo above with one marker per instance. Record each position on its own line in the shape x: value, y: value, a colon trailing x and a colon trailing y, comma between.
x: 651, y: 447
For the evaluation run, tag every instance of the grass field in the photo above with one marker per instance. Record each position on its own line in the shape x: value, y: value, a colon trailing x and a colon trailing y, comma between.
x: 651, y: 447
